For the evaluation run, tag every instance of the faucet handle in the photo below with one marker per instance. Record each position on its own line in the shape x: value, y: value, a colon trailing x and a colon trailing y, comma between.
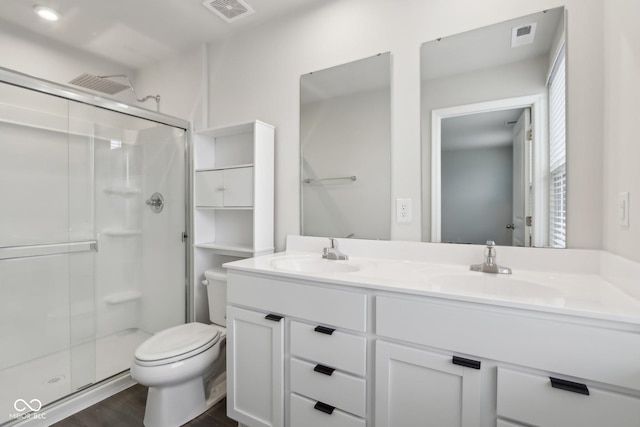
x: 334, y: 243
x: 490, y: 243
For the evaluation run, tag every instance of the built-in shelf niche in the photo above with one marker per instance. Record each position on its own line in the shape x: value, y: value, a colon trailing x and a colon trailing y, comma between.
x: 224, y: 148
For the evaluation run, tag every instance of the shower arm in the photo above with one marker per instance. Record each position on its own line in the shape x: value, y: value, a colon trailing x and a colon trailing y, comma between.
x: 146, y: 98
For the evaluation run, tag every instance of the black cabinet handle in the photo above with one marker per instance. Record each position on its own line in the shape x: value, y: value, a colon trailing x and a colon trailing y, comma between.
x: 323, y: 407
x: 467, y: 363
x: 324, y: 330
x: 273, y: 317
x: 569, y: 386
x: 324, y: 369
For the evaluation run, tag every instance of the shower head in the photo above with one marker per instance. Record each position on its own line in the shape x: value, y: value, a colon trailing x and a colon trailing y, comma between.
x: 99, y: 84
x: 105, y: 85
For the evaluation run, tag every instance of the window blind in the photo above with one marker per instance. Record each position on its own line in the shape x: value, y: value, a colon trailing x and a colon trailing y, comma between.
x: 557, y: 155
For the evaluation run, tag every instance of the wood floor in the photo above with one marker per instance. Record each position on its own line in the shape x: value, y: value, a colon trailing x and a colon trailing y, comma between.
x: 126, y: 409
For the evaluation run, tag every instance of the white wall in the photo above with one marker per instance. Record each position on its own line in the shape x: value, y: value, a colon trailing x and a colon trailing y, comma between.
x: 622, y: 109
x: 336, y: 135
x: 256, y: 75
x: 477, y: 195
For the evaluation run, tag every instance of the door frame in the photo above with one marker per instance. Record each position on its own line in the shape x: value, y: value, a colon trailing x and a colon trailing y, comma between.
x: 537, y: 103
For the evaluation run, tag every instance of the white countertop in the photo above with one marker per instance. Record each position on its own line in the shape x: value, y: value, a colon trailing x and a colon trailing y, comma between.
x: 576, y: 282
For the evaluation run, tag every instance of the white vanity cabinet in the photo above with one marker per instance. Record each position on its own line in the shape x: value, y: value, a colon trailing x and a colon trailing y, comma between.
x: 552, y: 371
x: 255, y: 389
x: 419, y: 387
x: 315, y: 375
x: 357, y: 355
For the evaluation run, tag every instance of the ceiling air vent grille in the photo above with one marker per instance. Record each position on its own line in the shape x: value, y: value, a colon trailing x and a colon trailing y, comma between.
x: 228, y: 10
x: 523, y: 35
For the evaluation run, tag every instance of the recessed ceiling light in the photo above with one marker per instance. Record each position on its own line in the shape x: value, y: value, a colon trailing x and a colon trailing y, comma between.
x: 46, y: 13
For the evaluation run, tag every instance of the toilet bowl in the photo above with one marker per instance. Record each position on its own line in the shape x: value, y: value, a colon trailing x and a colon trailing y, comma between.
x: 175, y: 363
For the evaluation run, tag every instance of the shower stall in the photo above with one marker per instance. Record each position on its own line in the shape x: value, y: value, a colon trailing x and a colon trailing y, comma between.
x: 93, y: 250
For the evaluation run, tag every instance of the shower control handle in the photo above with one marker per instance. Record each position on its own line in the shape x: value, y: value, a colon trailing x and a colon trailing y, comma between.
x: 155, y: 202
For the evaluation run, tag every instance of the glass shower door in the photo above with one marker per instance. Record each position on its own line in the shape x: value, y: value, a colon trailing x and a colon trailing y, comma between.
x: 140, y: 266
x: 47, y: 246
x: 91, y: 263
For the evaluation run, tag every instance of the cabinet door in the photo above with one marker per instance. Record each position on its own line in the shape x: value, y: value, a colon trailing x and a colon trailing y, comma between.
x: 255, y: 387
x: 416, y: 387
x: 238, y: 187
x: 209, y: 188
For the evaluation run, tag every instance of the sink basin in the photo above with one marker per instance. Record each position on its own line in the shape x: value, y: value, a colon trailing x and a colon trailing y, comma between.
x: 313, y: 265
x: 497, y: 286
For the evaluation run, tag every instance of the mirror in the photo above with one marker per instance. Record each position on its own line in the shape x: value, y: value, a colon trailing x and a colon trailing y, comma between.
x: 345, y: 146
x: 493, y: 123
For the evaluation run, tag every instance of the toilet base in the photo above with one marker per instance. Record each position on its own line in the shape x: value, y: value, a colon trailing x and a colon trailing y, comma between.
x: 173, y: 406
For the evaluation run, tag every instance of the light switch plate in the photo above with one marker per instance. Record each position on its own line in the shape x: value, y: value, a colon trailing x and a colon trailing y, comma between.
x: 623, y: 209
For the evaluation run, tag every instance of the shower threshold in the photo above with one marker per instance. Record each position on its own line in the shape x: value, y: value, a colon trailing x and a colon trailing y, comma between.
x: 28, y: 387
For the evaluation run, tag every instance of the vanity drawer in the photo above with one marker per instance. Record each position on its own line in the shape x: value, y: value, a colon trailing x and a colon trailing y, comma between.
x: 329, y: 347
x: 336, y: 388
x: 532, y: 399
x: 310, y: 413
x: 341, y: 308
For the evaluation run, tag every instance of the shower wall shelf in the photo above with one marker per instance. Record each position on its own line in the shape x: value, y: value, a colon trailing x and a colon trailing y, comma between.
x: 121, y: 232
x: 122, y: 297
x: 247, y: 165
x: 122, y: 191
x: 233, y: 196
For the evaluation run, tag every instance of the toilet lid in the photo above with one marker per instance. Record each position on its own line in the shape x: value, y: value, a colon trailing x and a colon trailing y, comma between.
x: 178, y: 340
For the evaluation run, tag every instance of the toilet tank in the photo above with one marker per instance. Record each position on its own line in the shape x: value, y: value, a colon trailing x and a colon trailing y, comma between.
x: 216, y: 285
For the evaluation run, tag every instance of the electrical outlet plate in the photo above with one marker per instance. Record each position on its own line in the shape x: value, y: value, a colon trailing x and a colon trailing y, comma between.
x: 403, y: 211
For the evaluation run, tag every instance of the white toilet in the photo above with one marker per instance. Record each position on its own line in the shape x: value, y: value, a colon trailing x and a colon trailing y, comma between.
x: 184, y: 366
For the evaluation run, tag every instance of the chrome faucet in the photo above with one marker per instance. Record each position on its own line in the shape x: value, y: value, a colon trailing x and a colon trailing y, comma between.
x: 333, y: 252
x: 489, y: 265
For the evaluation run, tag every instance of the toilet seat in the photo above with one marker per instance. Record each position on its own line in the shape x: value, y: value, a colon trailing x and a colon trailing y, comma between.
x: 177, y: 343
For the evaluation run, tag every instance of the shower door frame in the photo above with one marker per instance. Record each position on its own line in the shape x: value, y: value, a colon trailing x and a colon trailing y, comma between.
x: 26, y: 81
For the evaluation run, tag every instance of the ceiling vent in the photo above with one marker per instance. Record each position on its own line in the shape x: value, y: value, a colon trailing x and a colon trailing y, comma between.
x: 228, y: 10
x: 523, y: 35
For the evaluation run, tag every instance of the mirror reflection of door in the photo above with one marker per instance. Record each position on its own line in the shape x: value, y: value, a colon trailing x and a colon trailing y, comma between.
x: 521, y: 180
x: 485, y: 177
x: 507, y: 66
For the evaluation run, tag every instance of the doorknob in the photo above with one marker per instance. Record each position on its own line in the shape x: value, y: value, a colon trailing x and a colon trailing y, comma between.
x: 511, y: 227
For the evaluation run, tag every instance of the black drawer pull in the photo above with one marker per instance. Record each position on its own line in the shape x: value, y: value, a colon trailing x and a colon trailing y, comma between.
x: 569, y: 386
x: 323, y: 407
x: 467, y: 363
x: 324, y: 369
x: 324, y: 330
x: 273, y: 317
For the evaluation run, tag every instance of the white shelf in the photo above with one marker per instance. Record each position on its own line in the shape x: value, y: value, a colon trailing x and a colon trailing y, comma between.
x: 226, y: 208
x: 244, y: 165
x: 238, y: 222
x: 122, y: 297
x: 122, y: 191
x: 121, y: 232
x: 230, y: 247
